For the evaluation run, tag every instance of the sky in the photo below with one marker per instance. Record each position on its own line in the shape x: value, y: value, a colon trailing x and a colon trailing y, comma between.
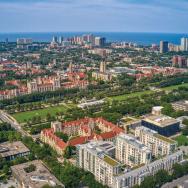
x: 165, y: 16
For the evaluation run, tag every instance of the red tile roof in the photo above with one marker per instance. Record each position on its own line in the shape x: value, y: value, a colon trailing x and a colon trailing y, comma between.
x: 83, y: 123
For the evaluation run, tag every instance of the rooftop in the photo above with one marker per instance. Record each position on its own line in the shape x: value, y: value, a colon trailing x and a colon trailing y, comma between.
x: 110, y: 161
x: 12, y: 148
x: 182, y: 103
x: 37, y: 178
x: 160, y: 120
x: 133, y: 141
x: 165, y: 139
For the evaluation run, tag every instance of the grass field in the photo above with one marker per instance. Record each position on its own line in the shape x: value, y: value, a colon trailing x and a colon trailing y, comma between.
x: 138, y: 94
x: 182, y: 140
x: 21, y: 116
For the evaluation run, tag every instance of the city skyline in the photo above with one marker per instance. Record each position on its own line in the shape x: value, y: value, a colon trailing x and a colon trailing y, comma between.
x: 101, y: 16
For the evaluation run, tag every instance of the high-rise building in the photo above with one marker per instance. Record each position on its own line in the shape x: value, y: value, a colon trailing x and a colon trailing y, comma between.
x: 70, y: 67
x: 184, y: 44
x: 163, y: 46
x: 54, y: 39
x: 132, y: 152
x: 61, y: 39
x: 100, y: 41
x: 97, y: 158
x: 102, y: 67
x: 6, y: 41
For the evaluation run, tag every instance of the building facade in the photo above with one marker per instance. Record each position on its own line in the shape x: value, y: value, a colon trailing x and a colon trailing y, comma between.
x: 158, y: 144
x: 135, y: 177
x: 44, y: 84
x: 163, y: 46
x: 96, y: 157
x: 85, y: 129
x: 131, y: 152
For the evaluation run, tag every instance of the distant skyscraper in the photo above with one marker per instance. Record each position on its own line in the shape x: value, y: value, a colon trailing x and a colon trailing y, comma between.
x: 163, y: 46
x: 100, y: 41
x: 6, y: 40
x: 54, y: 39
x: 184, y: 44
x: 61, y: 39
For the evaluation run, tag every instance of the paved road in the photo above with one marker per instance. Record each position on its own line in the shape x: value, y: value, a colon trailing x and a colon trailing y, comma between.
x: 7, y: 118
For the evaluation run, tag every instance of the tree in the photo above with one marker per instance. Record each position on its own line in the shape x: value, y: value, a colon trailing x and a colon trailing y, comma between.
x: 149, y: 182
x: 5, y: 169
x: 63, y: 136
x: 178, y: 171
x: 68, y: 152
x: 162, y: 177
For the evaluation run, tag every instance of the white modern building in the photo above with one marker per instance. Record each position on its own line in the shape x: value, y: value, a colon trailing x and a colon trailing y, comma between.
x: 184, y: 44
x: 132, y: 152
x: 97, y: 158
x: 136, y: 176
x: 158, y: 144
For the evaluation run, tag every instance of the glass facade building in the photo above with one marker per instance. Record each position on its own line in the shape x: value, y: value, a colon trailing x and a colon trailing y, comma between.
x: 168, y: 130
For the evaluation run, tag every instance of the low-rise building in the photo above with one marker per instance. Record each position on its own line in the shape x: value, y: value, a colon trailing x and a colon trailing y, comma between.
x: 97, y: 157
x: 129, y: 123
x: 164, y: 125
x: 136, y: 176
x: 132, y: 152
x: 90, y: 103
x: 34, y: 174
x: 180, y: 105
x: 11, y: 150
x: 158, y: 144
x: 84, y: 129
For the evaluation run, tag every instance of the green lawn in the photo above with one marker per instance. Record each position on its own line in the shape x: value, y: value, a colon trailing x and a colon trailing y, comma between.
x: 138, y: 94
x: 182, y: 140
x: 21, y: 116
x: 126, y: 96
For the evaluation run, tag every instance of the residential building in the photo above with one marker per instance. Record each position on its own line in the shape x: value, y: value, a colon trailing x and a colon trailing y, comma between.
x: 22, y: 41
x: 184, y: 44
x: 100, y: 51
x: 100, y: 41
x: 158, y: 144
x: 180, y: 105
x: 136, y: 176
x: 163, y: 46
x: 11, y: 150
x: 97, y: 158
x: 35, y: 178
x: 179, y: 61
x: 132, y: 152
x: 85, y: 129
